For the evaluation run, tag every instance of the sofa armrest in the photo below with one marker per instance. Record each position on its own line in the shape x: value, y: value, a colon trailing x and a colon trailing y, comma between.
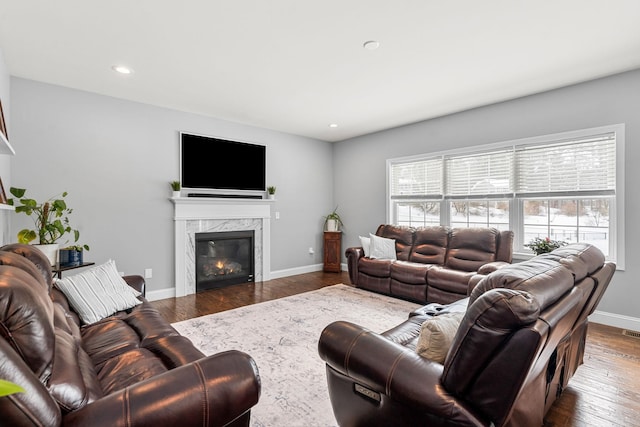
x: 490, y: 267
x: 136, y: 282
x: 390, y: 369
x: 484, y: 271
x: 213, y: 391
x: 353, y: 254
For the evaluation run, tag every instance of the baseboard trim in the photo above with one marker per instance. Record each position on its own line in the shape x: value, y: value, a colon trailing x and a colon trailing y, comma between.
x: 279, y: 274
x: 161, y: 294
x: 615, y: 320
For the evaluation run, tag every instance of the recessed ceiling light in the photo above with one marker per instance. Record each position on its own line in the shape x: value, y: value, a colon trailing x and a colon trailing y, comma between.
x: 122, y: 69
x: 333, y: 125
x: 371, y: 45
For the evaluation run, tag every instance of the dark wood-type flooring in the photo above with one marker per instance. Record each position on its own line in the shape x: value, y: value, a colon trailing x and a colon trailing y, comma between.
x: 605, y: 390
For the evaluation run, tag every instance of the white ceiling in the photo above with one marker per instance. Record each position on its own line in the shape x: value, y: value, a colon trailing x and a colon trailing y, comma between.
x: 296, y: 66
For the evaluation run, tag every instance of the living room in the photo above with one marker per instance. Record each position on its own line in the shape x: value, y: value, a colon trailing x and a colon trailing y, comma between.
x: 115, y: 157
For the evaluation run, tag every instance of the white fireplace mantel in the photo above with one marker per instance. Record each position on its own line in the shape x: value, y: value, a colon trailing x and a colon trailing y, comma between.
x: 202, y: 214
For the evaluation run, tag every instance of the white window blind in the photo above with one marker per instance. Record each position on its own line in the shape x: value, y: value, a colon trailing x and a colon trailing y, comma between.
x: 586, y: 166
x: 486, y: 174
x: 419, y: 178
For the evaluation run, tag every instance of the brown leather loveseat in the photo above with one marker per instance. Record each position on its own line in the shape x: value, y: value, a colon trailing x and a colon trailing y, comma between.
x: 434, y: 264
x: 521, y: 338
x: 129, y: 369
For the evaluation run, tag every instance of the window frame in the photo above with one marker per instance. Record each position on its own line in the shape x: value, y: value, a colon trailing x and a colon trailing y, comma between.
x: 516, y: 215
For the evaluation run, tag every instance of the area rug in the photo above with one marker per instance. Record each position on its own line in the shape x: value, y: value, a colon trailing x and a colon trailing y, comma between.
x: 282, y: 337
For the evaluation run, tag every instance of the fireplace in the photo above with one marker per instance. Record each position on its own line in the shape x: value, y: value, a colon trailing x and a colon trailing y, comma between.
x: 193, y: 215
x: 224, y: 258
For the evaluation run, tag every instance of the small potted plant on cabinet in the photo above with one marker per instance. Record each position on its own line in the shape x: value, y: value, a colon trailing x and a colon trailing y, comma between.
x: 333, y: 222
x: 50, y: 219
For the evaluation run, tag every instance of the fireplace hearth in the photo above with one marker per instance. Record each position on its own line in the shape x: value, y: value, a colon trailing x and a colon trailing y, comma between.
x: 224, y: 258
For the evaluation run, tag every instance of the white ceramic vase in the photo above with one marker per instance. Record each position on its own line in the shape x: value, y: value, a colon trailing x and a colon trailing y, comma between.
x: 50, y: 251
x: 332, y: 225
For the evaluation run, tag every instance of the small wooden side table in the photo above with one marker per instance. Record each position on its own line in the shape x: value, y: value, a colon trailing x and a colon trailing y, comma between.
x: 332, y: 251
x: 58, y: 269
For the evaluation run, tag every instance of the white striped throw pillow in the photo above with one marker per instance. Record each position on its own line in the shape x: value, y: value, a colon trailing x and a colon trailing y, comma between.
x: 98, y: 292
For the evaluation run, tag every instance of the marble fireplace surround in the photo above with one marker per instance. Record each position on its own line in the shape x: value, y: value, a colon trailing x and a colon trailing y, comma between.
x: 202, y: 215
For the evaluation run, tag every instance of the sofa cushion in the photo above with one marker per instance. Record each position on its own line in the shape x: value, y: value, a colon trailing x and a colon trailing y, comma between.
x: 410, y: 272
x: 403, y: 237
x: 581, y: 259
x: 382, y: 248
x: 488, y: 322
x: 37, y: 258
x: 451, y: 282
x: 470, y: 248
x: 26, y: 319
x: 73, y: 382
x: 430, y: 245
x: 544, y: 278
x: 375, y: 267
x: 436, y: 336
x: 98, y: 292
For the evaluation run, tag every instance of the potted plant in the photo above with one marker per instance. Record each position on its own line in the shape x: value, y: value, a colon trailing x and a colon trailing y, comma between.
x: 72, y: 255
x: 333, y: 222
x: 50, y: 219
x: 175, y: 186
x: 271, y: 192
x: 542, y: 246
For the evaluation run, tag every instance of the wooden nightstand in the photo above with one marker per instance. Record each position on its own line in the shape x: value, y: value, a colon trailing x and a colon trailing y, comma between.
x: 332, y: 251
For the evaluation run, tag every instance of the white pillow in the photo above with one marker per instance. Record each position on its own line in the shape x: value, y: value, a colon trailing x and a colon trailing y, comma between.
x: 382, y: 248
x: 98, y: 292
x: 436, y: 336
x: 365, y: 242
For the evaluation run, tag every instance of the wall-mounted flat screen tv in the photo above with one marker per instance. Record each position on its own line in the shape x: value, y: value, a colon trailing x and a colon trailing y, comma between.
x: 220, y: 164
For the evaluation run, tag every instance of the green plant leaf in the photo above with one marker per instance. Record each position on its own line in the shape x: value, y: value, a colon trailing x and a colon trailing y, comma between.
x: 29, y: 203
x: 17, y: 192
x: 7, y: 388
x: 26, y: 236
x: 59, y: 205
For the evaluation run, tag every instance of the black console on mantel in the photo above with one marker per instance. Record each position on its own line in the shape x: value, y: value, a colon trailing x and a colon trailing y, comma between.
x: 225, y: 196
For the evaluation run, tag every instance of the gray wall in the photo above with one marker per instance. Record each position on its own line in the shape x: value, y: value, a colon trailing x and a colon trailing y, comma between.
x: 360, y: 167
x: 116, y: 158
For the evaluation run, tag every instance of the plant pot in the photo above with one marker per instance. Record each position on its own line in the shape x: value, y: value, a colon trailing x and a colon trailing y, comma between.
x: 176, y: 194
x: 271, y: 196
x: 332, y: 225
x: 69, y: 257
x: 50, y: 251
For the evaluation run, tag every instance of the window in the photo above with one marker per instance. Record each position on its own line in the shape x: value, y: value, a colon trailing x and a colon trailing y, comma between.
x: 564, y: 186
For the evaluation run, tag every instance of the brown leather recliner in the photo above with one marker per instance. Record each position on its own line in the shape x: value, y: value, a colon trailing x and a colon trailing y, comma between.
x: 131, y: 369
x: 520, y: 341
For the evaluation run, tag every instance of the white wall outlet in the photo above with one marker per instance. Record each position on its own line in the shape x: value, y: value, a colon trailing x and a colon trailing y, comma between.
x: 311, y: 251
x: 277, y: 215
x: 148, y: 273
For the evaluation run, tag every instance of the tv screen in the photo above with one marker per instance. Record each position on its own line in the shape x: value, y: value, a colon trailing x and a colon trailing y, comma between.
x: 220, y: 164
